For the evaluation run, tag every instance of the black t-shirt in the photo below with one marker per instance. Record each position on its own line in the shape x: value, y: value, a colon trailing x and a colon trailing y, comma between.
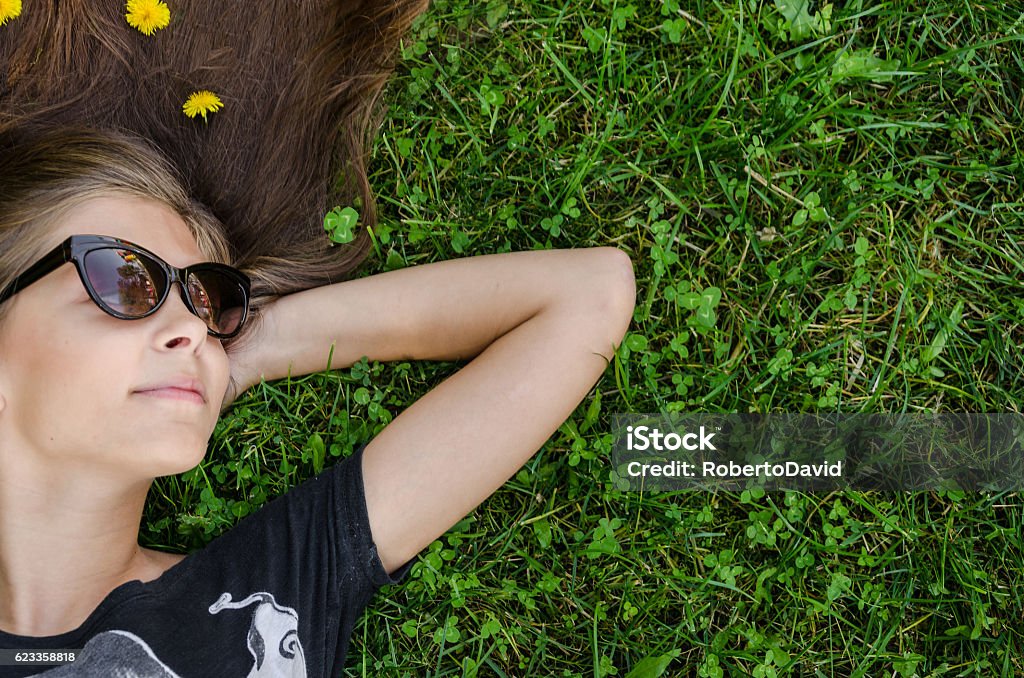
x: 277, y: 595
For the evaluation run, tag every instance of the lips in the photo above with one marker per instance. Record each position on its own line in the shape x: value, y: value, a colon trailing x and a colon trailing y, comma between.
x: 177, y: 388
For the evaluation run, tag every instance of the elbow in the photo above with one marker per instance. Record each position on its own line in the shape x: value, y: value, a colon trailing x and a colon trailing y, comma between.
x: 623, y: 279
x: 595, y: 307
x: 617, y: 297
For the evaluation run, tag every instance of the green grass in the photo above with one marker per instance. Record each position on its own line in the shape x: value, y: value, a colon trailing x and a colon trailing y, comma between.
x: 849, y: 181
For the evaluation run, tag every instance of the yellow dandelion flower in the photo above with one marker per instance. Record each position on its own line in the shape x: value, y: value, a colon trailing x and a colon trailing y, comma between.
x: 9, y: 9
x: 148, y: 15
x: 201, y: 103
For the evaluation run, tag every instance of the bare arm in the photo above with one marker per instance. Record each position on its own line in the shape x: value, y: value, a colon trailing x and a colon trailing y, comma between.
x: 542, y: 326
x: 449, y: 310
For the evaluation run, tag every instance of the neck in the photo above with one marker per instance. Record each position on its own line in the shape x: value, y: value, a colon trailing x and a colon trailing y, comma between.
x: 68, y: 537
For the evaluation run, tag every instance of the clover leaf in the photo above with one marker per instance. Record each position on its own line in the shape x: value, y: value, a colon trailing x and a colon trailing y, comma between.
x: 340, y: 224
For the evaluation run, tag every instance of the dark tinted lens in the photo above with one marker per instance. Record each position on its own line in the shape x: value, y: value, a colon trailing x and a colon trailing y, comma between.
x: 126, y: 282
x: 217, y: 298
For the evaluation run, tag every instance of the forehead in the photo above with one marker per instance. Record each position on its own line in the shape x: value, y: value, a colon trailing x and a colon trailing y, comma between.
x: 148, y: 223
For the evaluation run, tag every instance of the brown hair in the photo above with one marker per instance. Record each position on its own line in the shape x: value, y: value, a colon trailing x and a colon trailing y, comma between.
x: 45, y: 173
x: 299, y: 80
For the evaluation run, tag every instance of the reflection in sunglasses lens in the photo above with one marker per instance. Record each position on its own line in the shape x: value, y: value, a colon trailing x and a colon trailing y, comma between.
x: 126, y: 282
x: 201, y: 301
x: 218, y: 299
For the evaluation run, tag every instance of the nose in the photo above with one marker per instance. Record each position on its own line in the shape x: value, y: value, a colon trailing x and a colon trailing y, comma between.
x: 178, y: 326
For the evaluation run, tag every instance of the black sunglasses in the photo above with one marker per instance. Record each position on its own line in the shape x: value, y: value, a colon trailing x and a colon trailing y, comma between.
x: 130, y: 282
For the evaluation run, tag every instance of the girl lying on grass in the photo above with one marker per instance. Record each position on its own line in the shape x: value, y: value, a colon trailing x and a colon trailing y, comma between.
x: 135, y: 305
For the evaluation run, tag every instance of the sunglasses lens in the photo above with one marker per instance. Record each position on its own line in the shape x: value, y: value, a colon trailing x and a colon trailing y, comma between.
x: 218, y: 299
x: 126, y: 282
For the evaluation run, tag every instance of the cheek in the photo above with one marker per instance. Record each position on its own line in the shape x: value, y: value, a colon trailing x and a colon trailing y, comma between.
x: 29, y: 347
x: 220, y: 371
x: 50, y: 356
x: 53, y: 395
x: 57, y: 373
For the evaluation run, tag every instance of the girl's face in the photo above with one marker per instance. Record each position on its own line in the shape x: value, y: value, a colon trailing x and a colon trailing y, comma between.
x: 83, y: 389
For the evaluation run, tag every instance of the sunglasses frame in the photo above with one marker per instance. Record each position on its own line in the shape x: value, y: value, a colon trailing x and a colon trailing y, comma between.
x: 76, y: 247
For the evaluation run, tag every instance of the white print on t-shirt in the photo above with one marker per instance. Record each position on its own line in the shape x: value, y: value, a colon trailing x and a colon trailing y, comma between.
x: 273, y: 636
x: 273, y: 641
x: 113, y: 653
